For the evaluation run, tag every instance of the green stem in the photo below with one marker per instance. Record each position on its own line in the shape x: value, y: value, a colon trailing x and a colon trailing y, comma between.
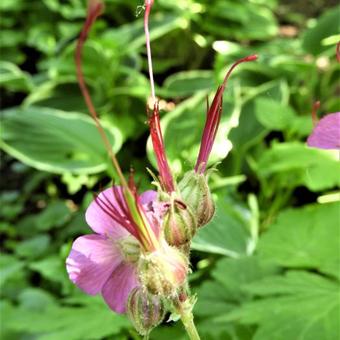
x: 189, y: 325
x: 184, y: 310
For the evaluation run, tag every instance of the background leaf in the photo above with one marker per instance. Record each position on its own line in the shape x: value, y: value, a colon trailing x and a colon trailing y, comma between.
x: 56, y: 141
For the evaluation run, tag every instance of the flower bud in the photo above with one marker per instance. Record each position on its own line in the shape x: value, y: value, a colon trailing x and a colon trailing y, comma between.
x: 196, y: 193
x: 146, y: 311
x: 163, y: 271
x: 179, y: 224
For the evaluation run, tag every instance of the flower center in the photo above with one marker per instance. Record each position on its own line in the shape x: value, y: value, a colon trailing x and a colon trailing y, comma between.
x: 129, y: 248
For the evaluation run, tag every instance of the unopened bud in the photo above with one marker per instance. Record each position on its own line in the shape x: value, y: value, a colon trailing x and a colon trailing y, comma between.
x: 179, y: 223
x: 146, y: 311
x: 196, y: 194
x: 164, y: 271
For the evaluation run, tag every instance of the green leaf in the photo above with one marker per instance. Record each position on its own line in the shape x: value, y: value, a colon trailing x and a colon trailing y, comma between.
x: 242, y: 20
x: 226, y: 292
x: 299, y: 305
x: 94, y: 321
x: 56, y: 214
x: 229, y: 231
x: 273, y: 115
x: 296, y: 164
x: 327, y: 25
x: 307, y: 237
x: 52, y: 268
x: 36, y: 299
x: 248, y: 130
x: 9, y: 266
x: 56, y: 141
x: 187, y: 83
x: 130, y: 37
x: 33, y: 247
x: 13, y: 79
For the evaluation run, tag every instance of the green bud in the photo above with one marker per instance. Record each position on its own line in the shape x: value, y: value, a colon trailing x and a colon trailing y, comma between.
x: 164, y: 271
x: 179, y: 223
x: 146, y: 311
x: 195, y: 192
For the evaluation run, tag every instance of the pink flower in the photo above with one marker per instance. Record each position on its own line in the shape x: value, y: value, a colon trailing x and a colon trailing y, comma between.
x: 326, y: 133
x: 213, y: 120
x: 106, y: 262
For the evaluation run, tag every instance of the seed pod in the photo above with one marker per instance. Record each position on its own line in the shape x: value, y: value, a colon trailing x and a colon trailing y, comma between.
x: 179, y: 224
x: 163, y: 271
x: 196, y: 193
x: 146, y: 311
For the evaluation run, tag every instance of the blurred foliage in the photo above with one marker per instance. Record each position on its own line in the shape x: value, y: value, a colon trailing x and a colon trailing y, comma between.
x: 267, y: 266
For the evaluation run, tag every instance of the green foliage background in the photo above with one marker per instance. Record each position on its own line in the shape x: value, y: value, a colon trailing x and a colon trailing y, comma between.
x: 267, y: 266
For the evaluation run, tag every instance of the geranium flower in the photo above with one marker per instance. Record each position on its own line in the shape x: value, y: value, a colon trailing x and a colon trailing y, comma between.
x: 326, y: 133
x: 106, y: 262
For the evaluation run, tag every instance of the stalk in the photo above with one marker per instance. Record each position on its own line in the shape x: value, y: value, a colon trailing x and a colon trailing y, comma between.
x: 94, y: 11
x: 148, y: 5
x: 184, y: 310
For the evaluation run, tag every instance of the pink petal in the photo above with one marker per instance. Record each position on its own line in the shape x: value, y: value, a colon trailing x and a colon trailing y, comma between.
x: 91, y: 261
x: 100, y: 221
x: 326, y: 134
x: 118, y: 287
x: 148, y: 196
x: 153, y: 209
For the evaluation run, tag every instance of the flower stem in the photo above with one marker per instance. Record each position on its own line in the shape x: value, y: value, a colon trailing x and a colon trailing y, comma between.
x: 148, y: 5
x: 184, y: 310
x: 189, y: 325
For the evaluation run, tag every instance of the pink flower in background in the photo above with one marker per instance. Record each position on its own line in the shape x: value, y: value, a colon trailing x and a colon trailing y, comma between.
x: 105, y: 262
x: 326, y: 133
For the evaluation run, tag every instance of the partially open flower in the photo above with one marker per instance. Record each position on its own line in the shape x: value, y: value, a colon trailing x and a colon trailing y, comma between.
x: 145, y: 310
x: 127, y: 226
x: 106, y: 262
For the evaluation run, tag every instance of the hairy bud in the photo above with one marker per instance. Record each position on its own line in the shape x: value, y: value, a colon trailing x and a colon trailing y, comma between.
x: 179, y: 223
x: 196, y: 193
x: 146, y: 311
x: 163, y: 272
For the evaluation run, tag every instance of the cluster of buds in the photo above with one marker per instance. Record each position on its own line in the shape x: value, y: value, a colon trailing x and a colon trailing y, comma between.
x: 138, y: 256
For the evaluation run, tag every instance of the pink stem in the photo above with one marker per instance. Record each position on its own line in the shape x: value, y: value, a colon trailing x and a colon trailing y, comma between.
x: 95, y: 9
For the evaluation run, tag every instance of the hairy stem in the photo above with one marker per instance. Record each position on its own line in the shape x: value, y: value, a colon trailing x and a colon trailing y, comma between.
x: 189, y: 325
x: 184, y: 310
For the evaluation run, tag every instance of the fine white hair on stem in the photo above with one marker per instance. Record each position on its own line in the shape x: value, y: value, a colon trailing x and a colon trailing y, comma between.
x: 148, y: 5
